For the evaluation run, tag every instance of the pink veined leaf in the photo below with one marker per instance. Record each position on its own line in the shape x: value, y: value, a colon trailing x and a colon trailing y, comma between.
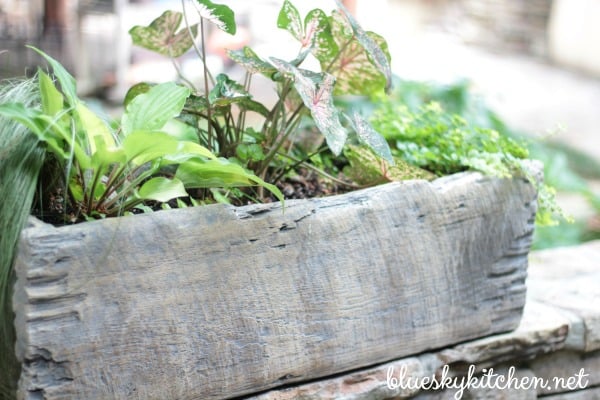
x: 316, y: 92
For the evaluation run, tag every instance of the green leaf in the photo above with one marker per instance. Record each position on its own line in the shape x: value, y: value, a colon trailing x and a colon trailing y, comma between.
x: 316, y: 91
x: 220, y: 173
x: 66, y: 80
x: 136, y: 90
x: 250, y: 152
x: 151, y: 110
x: 353, y: 68
x: 369, y: 136
x: 146, y: 146
x: 248, y: 59
x: 93, y: 127
x: 378, y: 55
x: 52, y: 99
x: 219, y: 14
x: 162, y: 37
x: 226, y: 92
x: 314, y: 35
x: 289, y: 19
x: 161, y: 189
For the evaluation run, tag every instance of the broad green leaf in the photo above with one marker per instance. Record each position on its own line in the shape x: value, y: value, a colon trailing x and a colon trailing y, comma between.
x: 248, y: 59
x: 151, y: 110
x: 219, y: 14
x: 354, y: 71
x: 220, y: 173
x: 316, y: 91
x: 180, y: 130
x: 141, y: 147
x: 161, y: 189
x: 187, y: 150
x: 289, y: 19
x: 136, y: 90
x: 248, y: 104
x: 372, y: 46
x: 107, y: 154
x: 369, y: 136
x: 66, y: 80
x: 93, y: 127
x: 162, y: 37
x: 52, y: 99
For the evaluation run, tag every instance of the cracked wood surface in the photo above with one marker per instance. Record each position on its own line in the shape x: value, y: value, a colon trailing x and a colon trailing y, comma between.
x: 216, y: 302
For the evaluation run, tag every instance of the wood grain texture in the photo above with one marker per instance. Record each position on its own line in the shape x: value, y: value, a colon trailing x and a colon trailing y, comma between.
x: 217, y: 302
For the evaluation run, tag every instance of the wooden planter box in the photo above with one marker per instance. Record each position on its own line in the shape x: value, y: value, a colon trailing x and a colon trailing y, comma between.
x: 216, y: 302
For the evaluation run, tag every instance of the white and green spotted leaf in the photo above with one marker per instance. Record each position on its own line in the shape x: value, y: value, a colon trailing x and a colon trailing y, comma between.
x: 162, y: 35
x: 369, y: 136
x: 248, y: 59
x: 290, y: 20
x: 316, y: 91
x: 219, y: 14
x: 353, y: 68
x: 377, y: 53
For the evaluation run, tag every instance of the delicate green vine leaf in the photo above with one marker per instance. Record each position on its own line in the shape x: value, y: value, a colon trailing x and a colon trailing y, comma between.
x: 219, y: 14
x: 161, y: 189
x: 354, y: 71
x: 162, y: 37
x: 152, y: 110
x: 220, y: 173
x: 248, y: 59
x: 316, y: 91
x: 66, y: 80
x: 373, y: 47
x: 369, y: 136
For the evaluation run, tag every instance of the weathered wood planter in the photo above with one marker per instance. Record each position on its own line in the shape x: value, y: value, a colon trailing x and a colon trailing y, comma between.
x: 217, y: 302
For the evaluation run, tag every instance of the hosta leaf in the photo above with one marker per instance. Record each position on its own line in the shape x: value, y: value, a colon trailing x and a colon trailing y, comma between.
x: 152, y: 110
x: 369, y: 136
x: 219, y: 14
x: 141, y: 147
x: 162, y: 37
x: 220, y: 173
x: 316, y: 91
x: 248, y: 59
x: 93, y: 127
x: 372, y: 46
x: 136, y: 90
x: 161, y: 189
x: 352, y: 67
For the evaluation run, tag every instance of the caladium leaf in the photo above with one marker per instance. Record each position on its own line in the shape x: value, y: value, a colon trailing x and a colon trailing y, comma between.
x: 379, y: 56
x: 369, y: 136
x: 219, y: 14
x: 227, y: 92
x: 162, y: 35
x: 161, y: 189
x: 314, y: 34
x: 353, y: 68
x: 248, y: 59
x: 316, y: 91
x: 152, y: 110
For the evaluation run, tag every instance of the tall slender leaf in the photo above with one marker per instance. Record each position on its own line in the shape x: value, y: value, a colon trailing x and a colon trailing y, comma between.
x: 65, y: 79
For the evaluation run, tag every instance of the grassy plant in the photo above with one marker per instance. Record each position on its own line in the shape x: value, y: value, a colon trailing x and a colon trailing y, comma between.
x: 21, y: 158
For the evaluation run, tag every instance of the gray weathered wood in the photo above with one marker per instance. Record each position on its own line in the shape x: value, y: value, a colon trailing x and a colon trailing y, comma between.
x: 215, y: 302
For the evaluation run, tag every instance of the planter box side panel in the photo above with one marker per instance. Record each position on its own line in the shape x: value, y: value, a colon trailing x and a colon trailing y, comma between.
x: 218, y: 302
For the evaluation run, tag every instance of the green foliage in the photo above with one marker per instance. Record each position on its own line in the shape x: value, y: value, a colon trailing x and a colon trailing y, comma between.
x: 110, y: 172
x: 352, y: 62
x: 21, y: 159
